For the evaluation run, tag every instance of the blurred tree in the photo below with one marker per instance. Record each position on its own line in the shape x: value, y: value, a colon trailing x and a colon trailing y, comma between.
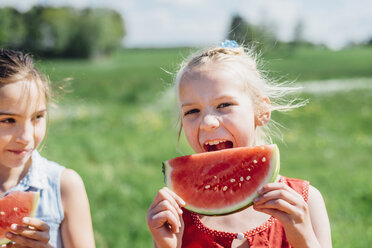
x: 298, y: 33
x: 369, y: 42
x: 64, y: 31
x: 12, y: 28
x: 238, y: 30
x: 58, y: 26
x: 33, y: 39
x: 260, y: 36
x: 100, y: 33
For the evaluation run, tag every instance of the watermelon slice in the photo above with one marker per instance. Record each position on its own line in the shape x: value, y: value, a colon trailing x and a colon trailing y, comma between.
x: 13, y: 208
x: 222, y: 182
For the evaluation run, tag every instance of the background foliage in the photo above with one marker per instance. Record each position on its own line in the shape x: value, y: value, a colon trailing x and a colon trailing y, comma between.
x: 62, y: 32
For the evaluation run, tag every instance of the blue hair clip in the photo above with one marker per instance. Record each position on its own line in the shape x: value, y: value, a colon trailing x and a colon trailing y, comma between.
x: 229, y: 44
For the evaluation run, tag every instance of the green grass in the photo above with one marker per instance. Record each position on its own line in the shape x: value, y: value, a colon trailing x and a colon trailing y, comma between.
x: 115, y: 125
x: 319, y: 63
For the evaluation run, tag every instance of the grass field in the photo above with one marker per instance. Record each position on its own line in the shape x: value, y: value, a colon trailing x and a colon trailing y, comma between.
x: 115, y: 125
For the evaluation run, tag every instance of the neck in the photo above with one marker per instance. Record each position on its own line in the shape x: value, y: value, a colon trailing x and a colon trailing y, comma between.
x: 242, y: 221
x: 9, y: 177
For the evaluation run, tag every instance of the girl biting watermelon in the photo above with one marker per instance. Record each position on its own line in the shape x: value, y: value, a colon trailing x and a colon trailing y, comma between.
x: 226, y: 102
x: 62, y: 216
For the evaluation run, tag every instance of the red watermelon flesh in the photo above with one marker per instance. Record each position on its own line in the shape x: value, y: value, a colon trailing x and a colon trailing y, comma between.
x: 222, y: 182
x: 13, y: 208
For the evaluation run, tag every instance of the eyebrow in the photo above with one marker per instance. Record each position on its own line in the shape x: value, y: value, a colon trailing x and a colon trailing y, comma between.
x: 219, y: 98
x: 225, y: 96
x: 13, y: 114
x: 8, y: 113
x: 187, y: 104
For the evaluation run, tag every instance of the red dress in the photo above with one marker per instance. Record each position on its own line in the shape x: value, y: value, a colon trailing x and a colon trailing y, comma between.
x: 269, y: 234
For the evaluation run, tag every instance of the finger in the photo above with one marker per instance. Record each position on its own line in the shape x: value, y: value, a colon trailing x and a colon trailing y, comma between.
x: 166, y: 219
x: 30, y: 233
x: 292, y: 197
x: 277, y: 204
x: 21, y: 241
x: 178, y: 199
x: 275, y: 186
x: 167, y: 194
x: 36, y: 223
x: 166, y: 206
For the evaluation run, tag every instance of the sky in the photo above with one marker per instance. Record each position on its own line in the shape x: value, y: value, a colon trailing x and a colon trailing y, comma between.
x: 164, y: 23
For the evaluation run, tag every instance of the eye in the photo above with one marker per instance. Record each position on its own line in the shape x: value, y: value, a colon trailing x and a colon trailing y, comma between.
x: 39, y: 116
x: 224, y: 105
x: 8, y: 120
x: 192, y: 111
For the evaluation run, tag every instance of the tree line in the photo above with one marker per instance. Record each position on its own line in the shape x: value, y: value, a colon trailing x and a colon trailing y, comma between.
x: 263, y: 36
x: 62, y: 32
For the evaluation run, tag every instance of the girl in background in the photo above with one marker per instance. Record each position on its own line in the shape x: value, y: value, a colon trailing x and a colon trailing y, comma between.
x: 62, y: 217
x: 226, y: 102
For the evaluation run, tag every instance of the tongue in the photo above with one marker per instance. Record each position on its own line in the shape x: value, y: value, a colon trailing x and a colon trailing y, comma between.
x: 220, y: 146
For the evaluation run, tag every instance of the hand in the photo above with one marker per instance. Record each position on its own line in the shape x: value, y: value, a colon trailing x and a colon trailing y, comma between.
x: 164, y: 219
x: 35, y: 233
x: 288, y: 206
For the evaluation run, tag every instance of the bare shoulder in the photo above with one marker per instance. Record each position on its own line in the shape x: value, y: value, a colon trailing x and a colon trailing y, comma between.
x: 319, y: 217
x: 315, y: 197
x: 316, y: 204
x: 69, y: 177
x: 71, y: 183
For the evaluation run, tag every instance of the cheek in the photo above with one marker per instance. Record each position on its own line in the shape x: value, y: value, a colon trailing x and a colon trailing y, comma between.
x: 5, y: 136
x: 40, y: 132
x: 188, y: 129
x: 191, y: 133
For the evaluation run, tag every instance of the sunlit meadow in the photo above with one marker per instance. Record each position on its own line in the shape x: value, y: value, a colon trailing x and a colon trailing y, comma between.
x: 114, y: 123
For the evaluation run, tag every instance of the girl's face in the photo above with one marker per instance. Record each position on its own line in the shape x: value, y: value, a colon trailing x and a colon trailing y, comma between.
x: 217, y: 111
x: 22, y: 122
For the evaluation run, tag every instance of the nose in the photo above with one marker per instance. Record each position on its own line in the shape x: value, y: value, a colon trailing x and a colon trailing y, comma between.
x: 209, y: 122
x: 25, y: 133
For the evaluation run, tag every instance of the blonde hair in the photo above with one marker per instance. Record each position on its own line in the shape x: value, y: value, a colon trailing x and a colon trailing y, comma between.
x: 16, y: 66
x: 243, y: 62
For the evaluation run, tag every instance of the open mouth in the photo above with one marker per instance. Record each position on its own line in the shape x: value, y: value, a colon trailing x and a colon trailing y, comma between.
x: 217, y: 145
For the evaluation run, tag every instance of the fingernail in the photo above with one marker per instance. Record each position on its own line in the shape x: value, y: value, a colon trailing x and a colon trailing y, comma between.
x: 13, y: 227
x: 26, y: 220
x: 8, y: 235
x: 183, y: 203
x: 180, y: 211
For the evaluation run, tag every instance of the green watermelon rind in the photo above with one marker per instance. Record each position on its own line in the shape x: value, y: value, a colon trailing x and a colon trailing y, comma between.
x: 5, y: 241
x: 271, y: 177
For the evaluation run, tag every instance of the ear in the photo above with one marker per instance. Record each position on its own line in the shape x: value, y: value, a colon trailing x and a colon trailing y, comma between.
x: 263, y: 118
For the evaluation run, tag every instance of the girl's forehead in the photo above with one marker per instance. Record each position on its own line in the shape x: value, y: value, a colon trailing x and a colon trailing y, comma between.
x: 214, y: 77
x: 22, y: 95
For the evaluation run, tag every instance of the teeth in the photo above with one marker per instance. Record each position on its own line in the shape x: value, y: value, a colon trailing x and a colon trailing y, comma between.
x: 214, y: 142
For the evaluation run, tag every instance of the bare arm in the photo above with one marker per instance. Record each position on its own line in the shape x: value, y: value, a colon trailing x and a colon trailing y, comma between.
x: 76, y: 228
x: 319, y: 217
